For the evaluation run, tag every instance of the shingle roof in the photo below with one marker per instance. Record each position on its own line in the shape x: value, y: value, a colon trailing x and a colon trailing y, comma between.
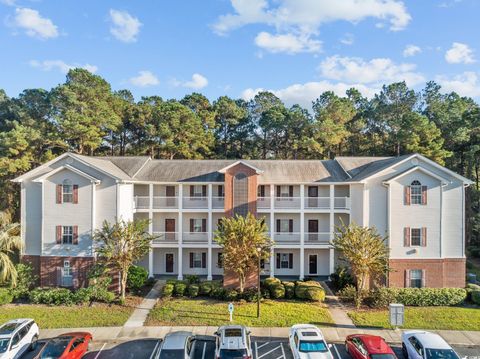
x: 360, y: 168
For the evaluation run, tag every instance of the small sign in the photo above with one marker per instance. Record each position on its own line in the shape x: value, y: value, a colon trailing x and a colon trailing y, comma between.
x: 230, y: 310
x: 397, y: 314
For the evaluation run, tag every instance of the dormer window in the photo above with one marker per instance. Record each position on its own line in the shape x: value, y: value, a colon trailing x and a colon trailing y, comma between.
x: 67, y: 191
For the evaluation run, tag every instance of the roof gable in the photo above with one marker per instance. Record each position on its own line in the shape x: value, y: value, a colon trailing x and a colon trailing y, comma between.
x: 443, y: 180
x: 69, y: 168
x: 225, y: 169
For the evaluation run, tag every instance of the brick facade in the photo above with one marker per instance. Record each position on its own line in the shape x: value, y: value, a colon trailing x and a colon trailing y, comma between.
x: 439, y: 273
x: 252, y: 188
x: 230, y: 280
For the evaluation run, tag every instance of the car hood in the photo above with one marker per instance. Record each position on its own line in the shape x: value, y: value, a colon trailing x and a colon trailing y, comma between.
x: 326, y: 355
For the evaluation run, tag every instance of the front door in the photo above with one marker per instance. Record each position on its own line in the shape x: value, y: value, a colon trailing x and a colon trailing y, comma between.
x: 312, y: 196
x: 313, y: 229
x: 312, y: 263
x: 169, y: 262
x: 170, y: 194
x: 170, y: 229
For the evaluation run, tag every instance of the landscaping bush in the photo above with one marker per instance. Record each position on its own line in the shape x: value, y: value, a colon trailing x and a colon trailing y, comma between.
x: 179, y: 289
x: 205, y: 288
x: 474, y: 252
x: 192, y: 290
x: 289, y: 290
x: 476, y: 297
x: 6, y: 296
x: 137, y: 277
x: 421, y: 297
x: 230, y: 294
x: 218, y: 293
x: 52, y: 296
x: 264, y: 293
x: 249, y: 294
x: 25, y: 281
x: 167, y: 290
x: 270, y: 281
x: 341, y: 278
x: 99, y: 290
x: 309, y: 290
x: 82, y: 296
x: 192, y: 279
x: 315, y: 294
x: 277, y: 291
x: 348, y: 293
x: 470, y: 288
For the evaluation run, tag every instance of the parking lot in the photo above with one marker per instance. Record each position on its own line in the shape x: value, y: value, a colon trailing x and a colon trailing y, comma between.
x: 204, y: 348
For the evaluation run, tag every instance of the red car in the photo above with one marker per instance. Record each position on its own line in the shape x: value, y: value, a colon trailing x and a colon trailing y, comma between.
x: 363, y: 346
x: 66, y: 346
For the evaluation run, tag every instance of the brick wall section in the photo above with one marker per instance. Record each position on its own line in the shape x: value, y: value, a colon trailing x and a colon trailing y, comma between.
x: 230, y: 280
x: 252, y: 188
x: 439, y: 273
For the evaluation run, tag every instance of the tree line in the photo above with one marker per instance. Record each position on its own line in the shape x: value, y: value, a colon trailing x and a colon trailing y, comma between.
x: 84, y: 115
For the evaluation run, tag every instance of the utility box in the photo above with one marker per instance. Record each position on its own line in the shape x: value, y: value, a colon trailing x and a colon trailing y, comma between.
x: 397, y: 314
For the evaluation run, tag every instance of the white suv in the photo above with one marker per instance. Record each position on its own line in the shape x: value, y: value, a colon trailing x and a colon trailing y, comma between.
x: 16, y: 337
x: 233, y: 342
x: 418, y: 344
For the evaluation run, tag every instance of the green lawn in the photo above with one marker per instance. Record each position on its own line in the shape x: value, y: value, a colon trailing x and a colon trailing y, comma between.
x: 214, y: 313
x: 100, y: 315
x: 448, y: 318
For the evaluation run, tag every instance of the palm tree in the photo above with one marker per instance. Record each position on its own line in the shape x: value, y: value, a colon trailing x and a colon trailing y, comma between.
x: 10, y: 242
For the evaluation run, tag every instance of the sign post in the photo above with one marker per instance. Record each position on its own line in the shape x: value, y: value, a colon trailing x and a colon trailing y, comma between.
x: 230, y: 310
x: 397, y: 315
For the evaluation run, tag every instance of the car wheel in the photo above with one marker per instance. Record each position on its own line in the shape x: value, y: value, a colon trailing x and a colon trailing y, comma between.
x: 404, y: 351
x: 33, y: 343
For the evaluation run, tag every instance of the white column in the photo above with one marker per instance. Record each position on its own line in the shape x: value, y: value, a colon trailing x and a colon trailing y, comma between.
x: 302, y: 231
x: 92, y: 219
x: 180, y: 232
x: 272, y: 230
x: 332, y: 228
x: 150, y: 228
x: 210, y: 232
x: 332, y: 260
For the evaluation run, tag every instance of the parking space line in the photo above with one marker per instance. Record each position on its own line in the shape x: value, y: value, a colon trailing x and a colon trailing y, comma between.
x: 261, y: 346
x: 155, y: 349
x: 283, y: 352
x: 256, y: 350
x: 336, y: 350
x: 271, y: 351
x: 103, y: 346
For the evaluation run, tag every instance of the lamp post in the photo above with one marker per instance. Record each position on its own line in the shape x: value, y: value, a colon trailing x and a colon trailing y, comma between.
x: 259, y: 251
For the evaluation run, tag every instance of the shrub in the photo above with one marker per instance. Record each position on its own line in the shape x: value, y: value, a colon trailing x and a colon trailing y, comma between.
x: 309, y: 290
x: 270, y: 281
x: 192, y: 279
x: 82, y: 296
x: 474, y: 252
x: 192, y: 290
x: 231, y: 294
x: 315, y: 294
x: 218, y: 293
x: 250, y: 294
x: 179, y: 289
x: 205, y: 288
x: 137, y: 277
x: 341, y: 278
x: 476, y: 297
x: 277, y: 291
x: 423, y: 297
x: 289, y: 290
x: 264, y: 293
x: 6, y: 296
x: 25, y: 281
x: 348, y: 293
x: 52, y: 296
x: 99, y: 290
x: 167, y: 290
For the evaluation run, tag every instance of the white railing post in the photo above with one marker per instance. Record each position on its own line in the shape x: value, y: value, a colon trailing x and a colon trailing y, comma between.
x: 209, y: 232
x: 272, y: 230
x: 332, y: 227
x: 150, y: 228
x: 302, y: 231
x: 180, y: 232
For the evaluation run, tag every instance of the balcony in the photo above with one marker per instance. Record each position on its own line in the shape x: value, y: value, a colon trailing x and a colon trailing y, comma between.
x: 317, y: 238
x: 195, y: 237
x: 141, y: 202
x: 165, y: 202
x: 287, y: 203
x: 263, y: 202
x: 317, y: 202
x: 218, y: 202
x: 342, y: 203
x: 165, y: 237
x: 195, y: 202
x: 286, y: 238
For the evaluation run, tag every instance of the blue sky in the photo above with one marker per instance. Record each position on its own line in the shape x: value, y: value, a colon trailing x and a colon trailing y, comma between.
x: 296, y: 48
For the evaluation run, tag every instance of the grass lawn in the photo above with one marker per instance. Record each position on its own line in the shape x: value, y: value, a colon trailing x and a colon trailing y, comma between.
x: 448, y: 318
x: 211, y: 312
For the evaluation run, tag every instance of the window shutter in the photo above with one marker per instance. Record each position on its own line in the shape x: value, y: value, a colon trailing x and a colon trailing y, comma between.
x: 75, y: 193
x: 220, y: 191
x: 290, y: 260
x: 204, y: 225
x: 59, y: 234
x: 424, y: 236
x: 192, y: 191
x: 75, y: 234
x: 59, y: 193
x: 204, y: 260
x: 406, y: 236
x: 191, y: 260
x: 279, y: 191
x: 290, y: 191
x: 407, y: 278
x: 423, y: 278
x: 290, y: 225
x: 407, y: 195
x: 424, y: 194
x: 278, y: 260
x: 278, y: 226
x: 191, y: 225
x: 204, y: 191
x: 261, y: 191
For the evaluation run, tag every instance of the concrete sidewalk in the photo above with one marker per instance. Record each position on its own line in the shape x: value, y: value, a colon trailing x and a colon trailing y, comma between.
x: 332, y: 334
x: 139, y: 315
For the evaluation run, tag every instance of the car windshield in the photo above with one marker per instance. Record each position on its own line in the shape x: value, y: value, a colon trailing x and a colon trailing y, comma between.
x: 172, y: 354
x: 313, y: 346
x: 8, y: 328
x: 4, y: 345
x: 55, y: 348
x: 233, y: 332
x: 440, y: 354
x: 382, y: 356
x: 232, y: 353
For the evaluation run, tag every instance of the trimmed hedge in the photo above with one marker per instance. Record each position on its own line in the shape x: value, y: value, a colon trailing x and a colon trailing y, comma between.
x: 167, y: 290
x: 137, y: 277
x: 419, y: 297
x: 192, y: 290
x: 309, y: 290
x: 289, y: 290
x: 476, y: 297
x: 179, y: 289
x: 277, y: 291
x: 205, y: 288
x: 6, y: 296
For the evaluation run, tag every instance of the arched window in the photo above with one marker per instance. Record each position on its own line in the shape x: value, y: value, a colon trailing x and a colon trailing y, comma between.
x: 240, y: 194
x: 416, y: 192
x: 67, y: 191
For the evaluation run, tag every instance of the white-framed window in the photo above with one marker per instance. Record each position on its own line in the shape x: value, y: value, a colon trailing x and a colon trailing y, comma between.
x: 284, y: 225
x: 284, y: 191
x: 197, y: 225
x: 67, y: 274
x: 197, y: 191
x: 67, y: 234
x: 284, y: 260
x: 416, y: 192
x: 415, y: 278
x: 67, y: 191
x: 416, y: 237
x: 197, y: 260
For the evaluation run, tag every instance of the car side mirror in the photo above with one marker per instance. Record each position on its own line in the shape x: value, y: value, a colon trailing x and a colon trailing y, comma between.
x: 330, y: 346
x: 249, y: 332
x: 216, y: 333
x: 15, y: 346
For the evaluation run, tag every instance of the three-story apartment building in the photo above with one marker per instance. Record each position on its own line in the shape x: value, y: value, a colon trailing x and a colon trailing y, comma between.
x: 417, y: 204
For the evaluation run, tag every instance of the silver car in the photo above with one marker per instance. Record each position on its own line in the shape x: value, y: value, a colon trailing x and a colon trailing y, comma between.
x: 176, y: 345
x: 16, y: 337
x: 233, y: 342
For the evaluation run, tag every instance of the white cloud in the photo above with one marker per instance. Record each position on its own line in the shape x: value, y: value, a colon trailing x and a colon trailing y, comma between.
x: 375, y: 71
x: 34, y: 24
x: 8, y: 2
x: 144, y: 79
x: 466, y: 84
x: 348, y: 39
x: 288, y: 43
x: 411, y: 50
x: 60, y: 65
x: 125, y: 27
x: 197, y: 82
x: 459, y: 53
x: 303, y: 18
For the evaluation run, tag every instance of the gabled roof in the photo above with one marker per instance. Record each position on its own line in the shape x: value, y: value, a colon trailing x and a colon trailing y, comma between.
x: 70, y: 168
x: 224, y: 169
x: 443, y: 180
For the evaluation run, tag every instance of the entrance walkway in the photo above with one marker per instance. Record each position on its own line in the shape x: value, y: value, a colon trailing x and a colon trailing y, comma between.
x: 139, y: 315
x: 336, y: 309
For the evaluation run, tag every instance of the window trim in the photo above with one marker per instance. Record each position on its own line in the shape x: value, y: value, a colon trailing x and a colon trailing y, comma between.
x: 64, y: 235
x: 416, y: 198
x: 282, y: 260
x: 411, y: 271
x: 199, y: 260
x: 420, y: 239
x: 67, y: 191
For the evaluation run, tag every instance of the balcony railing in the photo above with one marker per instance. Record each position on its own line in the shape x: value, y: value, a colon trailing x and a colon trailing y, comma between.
x: 218, y: 202
x: 286, y: 237
x: 141, y: 202
x: 195, y: 237
x: 263, y: 202
x: 342, y: 203
x: 195, y: 202
x: 165, y: 237
x: 165, y: 202
x: 317, y: 202
x: 317, y: 238
x: 287, y: 202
